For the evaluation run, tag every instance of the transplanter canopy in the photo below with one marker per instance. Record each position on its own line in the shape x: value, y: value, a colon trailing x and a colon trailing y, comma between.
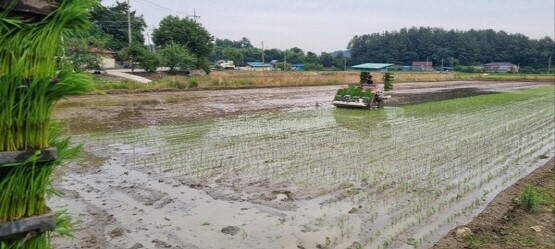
x: 370, y: 66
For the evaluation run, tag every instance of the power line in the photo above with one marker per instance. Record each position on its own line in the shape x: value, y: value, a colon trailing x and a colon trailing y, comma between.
x: 159, y: 7
x: 109, y: 21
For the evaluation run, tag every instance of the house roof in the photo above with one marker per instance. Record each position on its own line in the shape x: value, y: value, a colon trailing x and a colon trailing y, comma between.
x: 506, y: 64
x: 101, y: 51
x: 422, y: 63
x: 369, y: 66
x: 258, y: 64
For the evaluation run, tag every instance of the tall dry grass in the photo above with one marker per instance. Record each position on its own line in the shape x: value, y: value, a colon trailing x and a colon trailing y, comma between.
x: 274, y: 78
x: 253, y: 79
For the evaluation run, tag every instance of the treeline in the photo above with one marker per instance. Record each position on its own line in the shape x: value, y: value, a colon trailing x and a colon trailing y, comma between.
x: 455, y: 48
x: 242, y: 51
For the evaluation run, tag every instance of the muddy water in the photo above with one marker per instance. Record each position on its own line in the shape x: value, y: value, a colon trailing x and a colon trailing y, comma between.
x: 300, y: 179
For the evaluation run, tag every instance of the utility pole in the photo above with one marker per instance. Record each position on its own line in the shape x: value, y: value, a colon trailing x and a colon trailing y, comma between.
x: 129, y: 20
x: 262, y: 52
x: 284, y: 59
x: 441, y: 63
x: 549, y: 65
x: 150, y: 47
x: 344, y: 63
x: 195, y: 17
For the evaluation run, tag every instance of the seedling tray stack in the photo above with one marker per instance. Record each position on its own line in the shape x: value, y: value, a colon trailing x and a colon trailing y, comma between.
x: 30, y: 86
x: 24, y: 226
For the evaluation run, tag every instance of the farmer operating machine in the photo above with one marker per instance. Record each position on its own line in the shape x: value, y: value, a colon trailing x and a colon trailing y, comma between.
x: 366, y: 94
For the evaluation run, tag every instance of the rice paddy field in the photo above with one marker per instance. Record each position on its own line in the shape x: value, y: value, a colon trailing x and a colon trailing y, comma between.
x: 303, y: 177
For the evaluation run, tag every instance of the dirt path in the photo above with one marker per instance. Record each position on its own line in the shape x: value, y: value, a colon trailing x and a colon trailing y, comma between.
x: 124, y: 207
x: 126, y: 74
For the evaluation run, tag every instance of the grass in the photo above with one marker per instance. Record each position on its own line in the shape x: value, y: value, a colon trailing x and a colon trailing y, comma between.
x: 530, y: 198
x: 474, y: 242
x: 461, y: 105
x: 505, y: 77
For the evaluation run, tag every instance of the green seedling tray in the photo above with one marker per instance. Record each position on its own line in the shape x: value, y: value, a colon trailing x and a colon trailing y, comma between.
x: 22, y: 227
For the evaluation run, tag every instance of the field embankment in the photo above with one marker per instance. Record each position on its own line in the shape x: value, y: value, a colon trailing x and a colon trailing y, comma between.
x: 250, y: 79
x: 505, y: 223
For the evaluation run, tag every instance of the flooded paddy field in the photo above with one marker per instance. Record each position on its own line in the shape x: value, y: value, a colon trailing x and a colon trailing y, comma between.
x: 281, y: 168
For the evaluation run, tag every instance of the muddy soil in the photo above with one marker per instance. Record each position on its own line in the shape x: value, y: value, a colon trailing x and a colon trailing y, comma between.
x: 123, y: 111
x: 503, y: 225
x: 119, y: 207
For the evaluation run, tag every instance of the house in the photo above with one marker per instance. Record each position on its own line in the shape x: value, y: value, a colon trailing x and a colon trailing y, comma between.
x: 259, y: 66
x: 297, y: 67
x: 107, y: 56
x: 501, y: 67
x: 422, y: 65
x: 225, y: 64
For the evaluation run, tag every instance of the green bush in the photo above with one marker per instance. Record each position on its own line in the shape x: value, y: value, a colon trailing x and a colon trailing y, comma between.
x: 150, y: 61
x: 313, y: 67
x: 193, y: 83
x: 530, y: 198
x: 178, y: 84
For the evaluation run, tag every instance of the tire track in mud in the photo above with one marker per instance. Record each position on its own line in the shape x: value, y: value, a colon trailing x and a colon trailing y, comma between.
x: 173, y: 215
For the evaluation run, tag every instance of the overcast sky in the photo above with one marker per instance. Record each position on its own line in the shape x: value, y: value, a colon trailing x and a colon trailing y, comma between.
x: 329, y: 25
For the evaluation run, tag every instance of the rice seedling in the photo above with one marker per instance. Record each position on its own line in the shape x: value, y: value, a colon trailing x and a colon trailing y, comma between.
x: 408, y: 168
x: 30, y: 86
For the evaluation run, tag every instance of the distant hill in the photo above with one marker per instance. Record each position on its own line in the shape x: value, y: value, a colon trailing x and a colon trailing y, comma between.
x: 470, y: 47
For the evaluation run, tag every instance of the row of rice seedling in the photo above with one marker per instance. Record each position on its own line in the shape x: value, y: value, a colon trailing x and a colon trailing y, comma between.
x: 409, y: 168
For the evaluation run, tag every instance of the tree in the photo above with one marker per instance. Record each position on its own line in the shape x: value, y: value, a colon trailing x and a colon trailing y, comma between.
x: 465, y: 47
x: 326, y: 59
x: 273, y: 54
x: 339, y: 61
x: 295, y: 55
x: 80, y: 53
x: 252, y: 54
x: 112, y: 22
x: 150, y: 61
x: 133, y: 53
x: 175, y: 55
x: 311, y: 58
x: 187, y: 33
x: 233, y: 54
x: 226, y: 43
x: 313, y: 67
